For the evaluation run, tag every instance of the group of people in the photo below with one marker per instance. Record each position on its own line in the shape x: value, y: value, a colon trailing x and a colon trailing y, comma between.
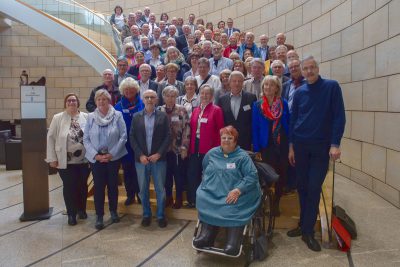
x: 183, y: 109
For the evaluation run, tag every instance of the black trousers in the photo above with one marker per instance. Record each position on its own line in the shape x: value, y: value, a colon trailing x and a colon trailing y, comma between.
x: 175, y: 172
x: 312, y: 162
x: 105, y: 174
x: 277, y: 157
x: 75, y: 188
x: 130, y: 178
x: 194, y: 173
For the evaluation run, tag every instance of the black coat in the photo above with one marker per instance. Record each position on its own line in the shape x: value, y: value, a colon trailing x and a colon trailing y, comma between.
x: 161, y: 135
x: 243, y: 121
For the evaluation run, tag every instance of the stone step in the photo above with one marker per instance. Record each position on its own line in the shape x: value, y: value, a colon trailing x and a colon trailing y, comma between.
x: 289, y: 207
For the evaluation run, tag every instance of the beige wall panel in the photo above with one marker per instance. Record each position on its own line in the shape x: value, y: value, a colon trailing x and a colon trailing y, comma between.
x: 375, y: 94
x: 341, y: 17
x: 351, y: 153
x: 374, y: 161
x: 362, y: 126
x: 376, y: 27
x: 393, y: 169
x: 387, y: 129
x: 361, y: 178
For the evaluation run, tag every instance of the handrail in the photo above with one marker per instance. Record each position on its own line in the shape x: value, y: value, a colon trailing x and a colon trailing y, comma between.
x: 106, y: 54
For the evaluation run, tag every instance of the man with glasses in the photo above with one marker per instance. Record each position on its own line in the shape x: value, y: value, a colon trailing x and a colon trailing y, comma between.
x: 230, y: 28
x: 278, y: 68
x: 150, y: 137
x: 145, y: 83
x: 122, y: 67
x: 108, y: 84
x: 218, y: 63
x: 296, y: 80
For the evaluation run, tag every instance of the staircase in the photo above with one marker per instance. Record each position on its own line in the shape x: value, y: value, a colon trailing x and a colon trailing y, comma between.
x: 87, y: 34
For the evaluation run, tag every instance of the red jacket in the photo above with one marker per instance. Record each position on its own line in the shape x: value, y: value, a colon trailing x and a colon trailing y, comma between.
x: 212, y: 121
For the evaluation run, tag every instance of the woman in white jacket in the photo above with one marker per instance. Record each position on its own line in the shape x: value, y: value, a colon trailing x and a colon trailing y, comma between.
x: 65, y: 151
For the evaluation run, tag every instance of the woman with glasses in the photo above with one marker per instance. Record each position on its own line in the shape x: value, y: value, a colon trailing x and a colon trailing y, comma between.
x: 65, y: 151
x: 230, y: 186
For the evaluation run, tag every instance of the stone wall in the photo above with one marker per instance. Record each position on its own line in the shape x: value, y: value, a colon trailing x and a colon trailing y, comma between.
x: 356, y: 42
x: 23, y: 48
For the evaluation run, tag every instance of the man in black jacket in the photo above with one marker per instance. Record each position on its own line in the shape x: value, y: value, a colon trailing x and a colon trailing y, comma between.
x: 108, y: 84
x: 150, y: 138
x: 236, y: 107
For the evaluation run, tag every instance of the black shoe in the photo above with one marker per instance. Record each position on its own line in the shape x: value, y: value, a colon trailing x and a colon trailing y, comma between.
x: 72, y: 220
x: 234, y: 240
x: 129, y: 201
x: 138, y: 199
x: 162, y: 223
x: 190, y: 205
x: 207, y: 236
x: 82, y: 215
x: 99, y: 223
x: 311, y: 242
x: 146, y: 221
x: 114, y: 217
x: 294, y: 232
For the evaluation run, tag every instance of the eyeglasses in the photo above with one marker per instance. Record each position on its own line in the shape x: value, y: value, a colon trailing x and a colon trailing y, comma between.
x: 226, y: 138
x: 149, y: 97
x: 72, y: 100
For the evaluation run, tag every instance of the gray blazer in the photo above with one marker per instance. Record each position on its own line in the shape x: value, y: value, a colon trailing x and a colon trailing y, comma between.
x: 117, y: 137
x: 161, y: 135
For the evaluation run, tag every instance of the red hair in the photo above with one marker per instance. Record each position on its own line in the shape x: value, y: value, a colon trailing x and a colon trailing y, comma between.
x: 230, y: 130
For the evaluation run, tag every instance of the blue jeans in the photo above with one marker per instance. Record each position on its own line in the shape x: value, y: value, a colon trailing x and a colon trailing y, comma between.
x: 158, y: 171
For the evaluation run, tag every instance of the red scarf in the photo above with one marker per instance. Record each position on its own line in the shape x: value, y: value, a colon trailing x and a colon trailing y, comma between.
x: 274, y: 114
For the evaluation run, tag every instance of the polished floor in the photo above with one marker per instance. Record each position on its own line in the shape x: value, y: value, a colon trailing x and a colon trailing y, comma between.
x: 53, y: 243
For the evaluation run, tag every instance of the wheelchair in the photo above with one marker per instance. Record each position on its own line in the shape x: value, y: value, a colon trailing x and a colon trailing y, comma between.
x: 259, y: 230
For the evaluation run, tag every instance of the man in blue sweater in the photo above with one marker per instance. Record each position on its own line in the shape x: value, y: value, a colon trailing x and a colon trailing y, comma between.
x: 316, y: 128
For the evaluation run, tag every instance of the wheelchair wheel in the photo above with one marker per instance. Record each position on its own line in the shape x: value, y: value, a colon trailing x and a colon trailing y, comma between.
x: 268, y: 217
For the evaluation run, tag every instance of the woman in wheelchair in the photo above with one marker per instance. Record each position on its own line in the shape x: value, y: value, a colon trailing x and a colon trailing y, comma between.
x: 229, y: 193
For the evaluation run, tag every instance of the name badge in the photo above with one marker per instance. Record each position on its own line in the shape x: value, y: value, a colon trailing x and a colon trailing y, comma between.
x: 175, y: 118
x: 125, y: 110
x: 246, y: 108
x: 203, y: 120
x: 231, y: 166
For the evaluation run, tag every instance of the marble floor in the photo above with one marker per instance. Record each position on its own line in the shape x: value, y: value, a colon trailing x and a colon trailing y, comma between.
x: 53, y: 243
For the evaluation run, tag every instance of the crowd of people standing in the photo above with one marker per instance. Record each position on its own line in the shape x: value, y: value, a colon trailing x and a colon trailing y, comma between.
x: 176, y: 86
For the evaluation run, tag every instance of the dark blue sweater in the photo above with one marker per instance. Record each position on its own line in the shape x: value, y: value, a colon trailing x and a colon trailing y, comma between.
x: 318, y: 115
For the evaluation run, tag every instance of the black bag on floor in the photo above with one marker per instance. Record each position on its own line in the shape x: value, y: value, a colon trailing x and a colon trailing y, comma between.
x: 346, y: 221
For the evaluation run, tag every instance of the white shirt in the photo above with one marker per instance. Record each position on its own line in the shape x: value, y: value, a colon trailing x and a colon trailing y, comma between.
x: 213, y: 81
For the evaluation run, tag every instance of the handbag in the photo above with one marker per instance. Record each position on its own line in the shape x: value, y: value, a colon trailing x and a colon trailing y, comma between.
x: 346, y: 221
x: 266, y: 172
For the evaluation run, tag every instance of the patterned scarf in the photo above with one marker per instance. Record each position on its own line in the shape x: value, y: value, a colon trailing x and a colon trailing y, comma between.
x: 273, y: 113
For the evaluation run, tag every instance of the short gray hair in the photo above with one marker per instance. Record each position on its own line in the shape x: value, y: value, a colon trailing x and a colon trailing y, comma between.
x: 127, y: 83
x: 257, y: 60
x: 208, y: 87
x: 170, y: 89
x: 144, y: 66
x: 309, y: 58
x: 102, y: 92
x: 236, y: 73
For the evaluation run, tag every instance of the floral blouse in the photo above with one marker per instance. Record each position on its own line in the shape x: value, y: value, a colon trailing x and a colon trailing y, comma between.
x: 180, y: 127
x: 75, y: 149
